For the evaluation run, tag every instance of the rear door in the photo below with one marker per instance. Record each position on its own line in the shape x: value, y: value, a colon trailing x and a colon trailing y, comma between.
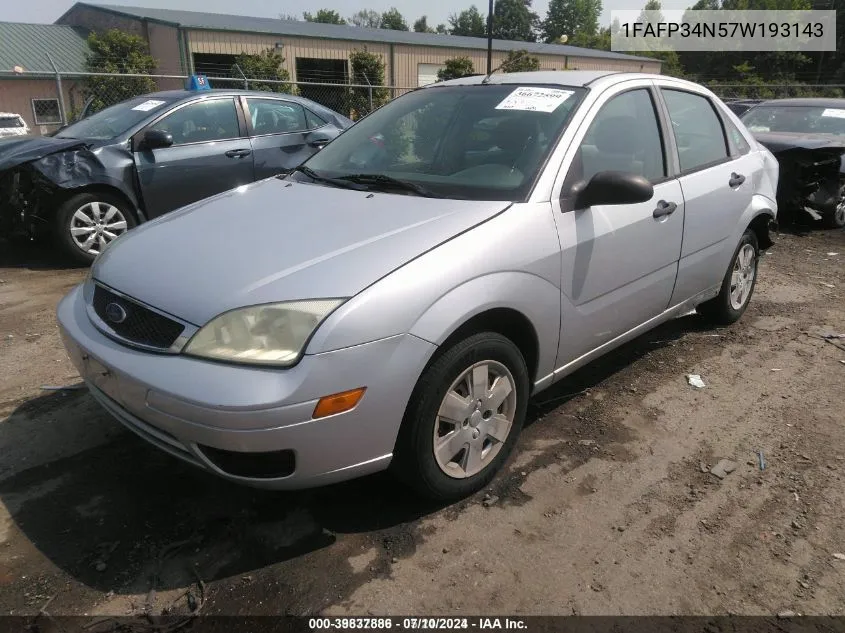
x: 717, y: 179
x: 210, y: 154
x: 619, y: 262
x: 283, y: 134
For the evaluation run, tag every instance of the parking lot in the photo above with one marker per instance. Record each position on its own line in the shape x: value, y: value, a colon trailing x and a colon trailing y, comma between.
x: 606, y: 507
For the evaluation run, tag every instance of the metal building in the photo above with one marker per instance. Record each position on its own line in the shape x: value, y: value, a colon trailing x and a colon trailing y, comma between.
x: 188, y: 41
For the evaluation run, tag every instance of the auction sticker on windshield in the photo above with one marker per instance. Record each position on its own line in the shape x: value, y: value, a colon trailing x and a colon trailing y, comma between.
x: 150, y: 104
x: 834, y: 112
x: 534, y: 99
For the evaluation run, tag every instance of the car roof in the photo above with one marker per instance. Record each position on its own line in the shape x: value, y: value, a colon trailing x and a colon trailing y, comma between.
x: 577, y: 78
x: 176, y: 95
x: 819, y: 102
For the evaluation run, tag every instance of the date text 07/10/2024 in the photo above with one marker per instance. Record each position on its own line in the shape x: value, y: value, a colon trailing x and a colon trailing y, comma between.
x: 415, y: 623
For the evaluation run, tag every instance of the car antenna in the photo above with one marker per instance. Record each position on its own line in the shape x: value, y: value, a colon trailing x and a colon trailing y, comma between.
x: 516, y: 58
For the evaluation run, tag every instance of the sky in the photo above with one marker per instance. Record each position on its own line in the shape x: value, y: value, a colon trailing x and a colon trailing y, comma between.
x: 46, y: 11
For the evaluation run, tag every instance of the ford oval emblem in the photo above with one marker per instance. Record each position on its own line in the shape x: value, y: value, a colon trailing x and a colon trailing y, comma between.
x: 115, y: 313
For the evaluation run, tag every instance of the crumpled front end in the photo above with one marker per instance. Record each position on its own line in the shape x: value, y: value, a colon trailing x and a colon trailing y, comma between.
x: 33, y: 181
x: 810, y: 179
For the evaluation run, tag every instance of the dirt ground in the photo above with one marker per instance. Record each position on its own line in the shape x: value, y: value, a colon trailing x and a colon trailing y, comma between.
x: 606, y: 507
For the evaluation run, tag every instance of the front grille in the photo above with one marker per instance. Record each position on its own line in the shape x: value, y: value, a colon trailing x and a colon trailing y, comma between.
x: 140, y: 325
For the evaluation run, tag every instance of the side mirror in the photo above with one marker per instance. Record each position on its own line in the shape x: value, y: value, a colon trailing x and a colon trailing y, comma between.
x: 612, y: 187
x: 156, y: 139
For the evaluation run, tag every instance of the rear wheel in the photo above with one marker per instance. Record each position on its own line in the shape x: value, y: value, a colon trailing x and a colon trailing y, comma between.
x: 464, y: 418
x: 737, y: 285
x: 87, y: 222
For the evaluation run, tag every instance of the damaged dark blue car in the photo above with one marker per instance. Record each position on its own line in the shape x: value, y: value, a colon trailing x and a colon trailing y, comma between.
x: 97, y: 178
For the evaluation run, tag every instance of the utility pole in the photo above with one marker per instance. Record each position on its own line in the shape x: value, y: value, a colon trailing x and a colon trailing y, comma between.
x: 490, y: 38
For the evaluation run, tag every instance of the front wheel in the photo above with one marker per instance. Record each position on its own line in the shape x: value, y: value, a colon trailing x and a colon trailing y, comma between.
x: 835, y: 219
x: 737, y: 285
x: 464, y: 418
x: 87, y: 222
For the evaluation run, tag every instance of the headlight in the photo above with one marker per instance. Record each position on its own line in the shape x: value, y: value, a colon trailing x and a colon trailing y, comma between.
x: 270, y: 334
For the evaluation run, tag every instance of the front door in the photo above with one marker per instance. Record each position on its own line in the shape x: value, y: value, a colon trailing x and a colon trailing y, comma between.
x: 619, y: 262
x: 209, y: 155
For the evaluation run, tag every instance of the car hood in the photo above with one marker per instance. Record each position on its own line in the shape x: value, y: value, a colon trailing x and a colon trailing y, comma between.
x: 277, y: 240
x: 17, y: 150
x: 781, y: 141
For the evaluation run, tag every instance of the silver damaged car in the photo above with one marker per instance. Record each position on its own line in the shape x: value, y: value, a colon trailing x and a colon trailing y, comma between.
x: 396, y: 301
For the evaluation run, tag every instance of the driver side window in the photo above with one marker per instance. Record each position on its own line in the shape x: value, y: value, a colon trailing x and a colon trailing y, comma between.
x: 624, y: 136
x: 201, y: 122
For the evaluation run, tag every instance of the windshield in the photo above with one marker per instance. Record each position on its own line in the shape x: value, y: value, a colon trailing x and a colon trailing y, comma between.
x: 802, y: 119
x: 114, y: 120
x: 7, y: 122
x: 472, y: 142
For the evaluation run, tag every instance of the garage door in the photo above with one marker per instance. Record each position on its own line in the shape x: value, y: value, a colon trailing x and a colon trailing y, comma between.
x: 427, y: 73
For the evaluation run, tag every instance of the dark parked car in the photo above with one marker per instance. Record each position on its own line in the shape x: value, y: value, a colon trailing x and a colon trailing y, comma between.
x: 807, y: 136
x: 141, y: 158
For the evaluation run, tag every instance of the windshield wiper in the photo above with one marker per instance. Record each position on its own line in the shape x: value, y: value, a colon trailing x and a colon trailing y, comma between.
x: 388, y: 182
x: 337, y: 182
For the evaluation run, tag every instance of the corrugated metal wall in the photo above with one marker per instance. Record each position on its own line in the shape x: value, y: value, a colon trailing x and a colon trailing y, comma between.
x: 227, y: 43
x: 408, y: 58
x: 16, y: 96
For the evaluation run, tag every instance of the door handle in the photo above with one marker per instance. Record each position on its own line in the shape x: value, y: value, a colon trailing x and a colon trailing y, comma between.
x: 238, y: 153
x: 736, y: 180
x: 664, y: 208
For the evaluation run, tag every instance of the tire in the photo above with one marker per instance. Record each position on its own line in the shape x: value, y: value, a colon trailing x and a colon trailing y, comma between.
x: 101, y: 216
x: 480, y: 442
x: 732, y: 301
x: 835, y: 219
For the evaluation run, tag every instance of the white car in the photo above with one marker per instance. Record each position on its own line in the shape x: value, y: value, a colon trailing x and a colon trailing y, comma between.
x: 12, y: 125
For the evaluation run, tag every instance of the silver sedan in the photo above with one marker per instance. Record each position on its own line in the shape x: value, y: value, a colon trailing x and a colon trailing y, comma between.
x: 396, y: 301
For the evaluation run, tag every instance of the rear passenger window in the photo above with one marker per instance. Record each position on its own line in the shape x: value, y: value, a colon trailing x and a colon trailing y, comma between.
x: 738, y: 143
x: 624, y: 136
x: 272, y: 116
x: 698, y: 131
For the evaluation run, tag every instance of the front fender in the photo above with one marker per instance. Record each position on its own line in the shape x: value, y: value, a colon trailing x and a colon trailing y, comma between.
x: 530, y: 295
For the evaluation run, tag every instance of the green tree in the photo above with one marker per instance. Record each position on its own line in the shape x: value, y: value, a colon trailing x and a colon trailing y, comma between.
x: 324, y: 16
x: 421, y: 26
x: 266, y: 65
x: 468, y: 22
x: 514, y: 20
x: 519, y: 61
x: 442, y: 29
x: 119, y: 53
x: 571, y: 18
x: 600, y: 41
x: 367, y: 70
x: 455, y: 67
x: 366, y: 18
x: 393, y: 20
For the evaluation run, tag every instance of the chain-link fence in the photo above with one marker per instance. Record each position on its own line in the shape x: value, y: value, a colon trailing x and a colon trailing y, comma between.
x: 48, y: 100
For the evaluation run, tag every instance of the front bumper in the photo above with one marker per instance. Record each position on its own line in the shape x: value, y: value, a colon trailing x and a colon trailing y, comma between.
x: 183, y: 404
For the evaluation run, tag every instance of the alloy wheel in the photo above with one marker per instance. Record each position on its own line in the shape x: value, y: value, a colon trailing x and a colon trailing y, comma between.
x: 95, y: 224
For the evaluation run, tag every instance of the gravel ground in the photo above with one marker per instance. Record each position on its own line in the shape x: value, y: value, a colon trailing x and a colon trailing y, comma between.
x: 608, y: 505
